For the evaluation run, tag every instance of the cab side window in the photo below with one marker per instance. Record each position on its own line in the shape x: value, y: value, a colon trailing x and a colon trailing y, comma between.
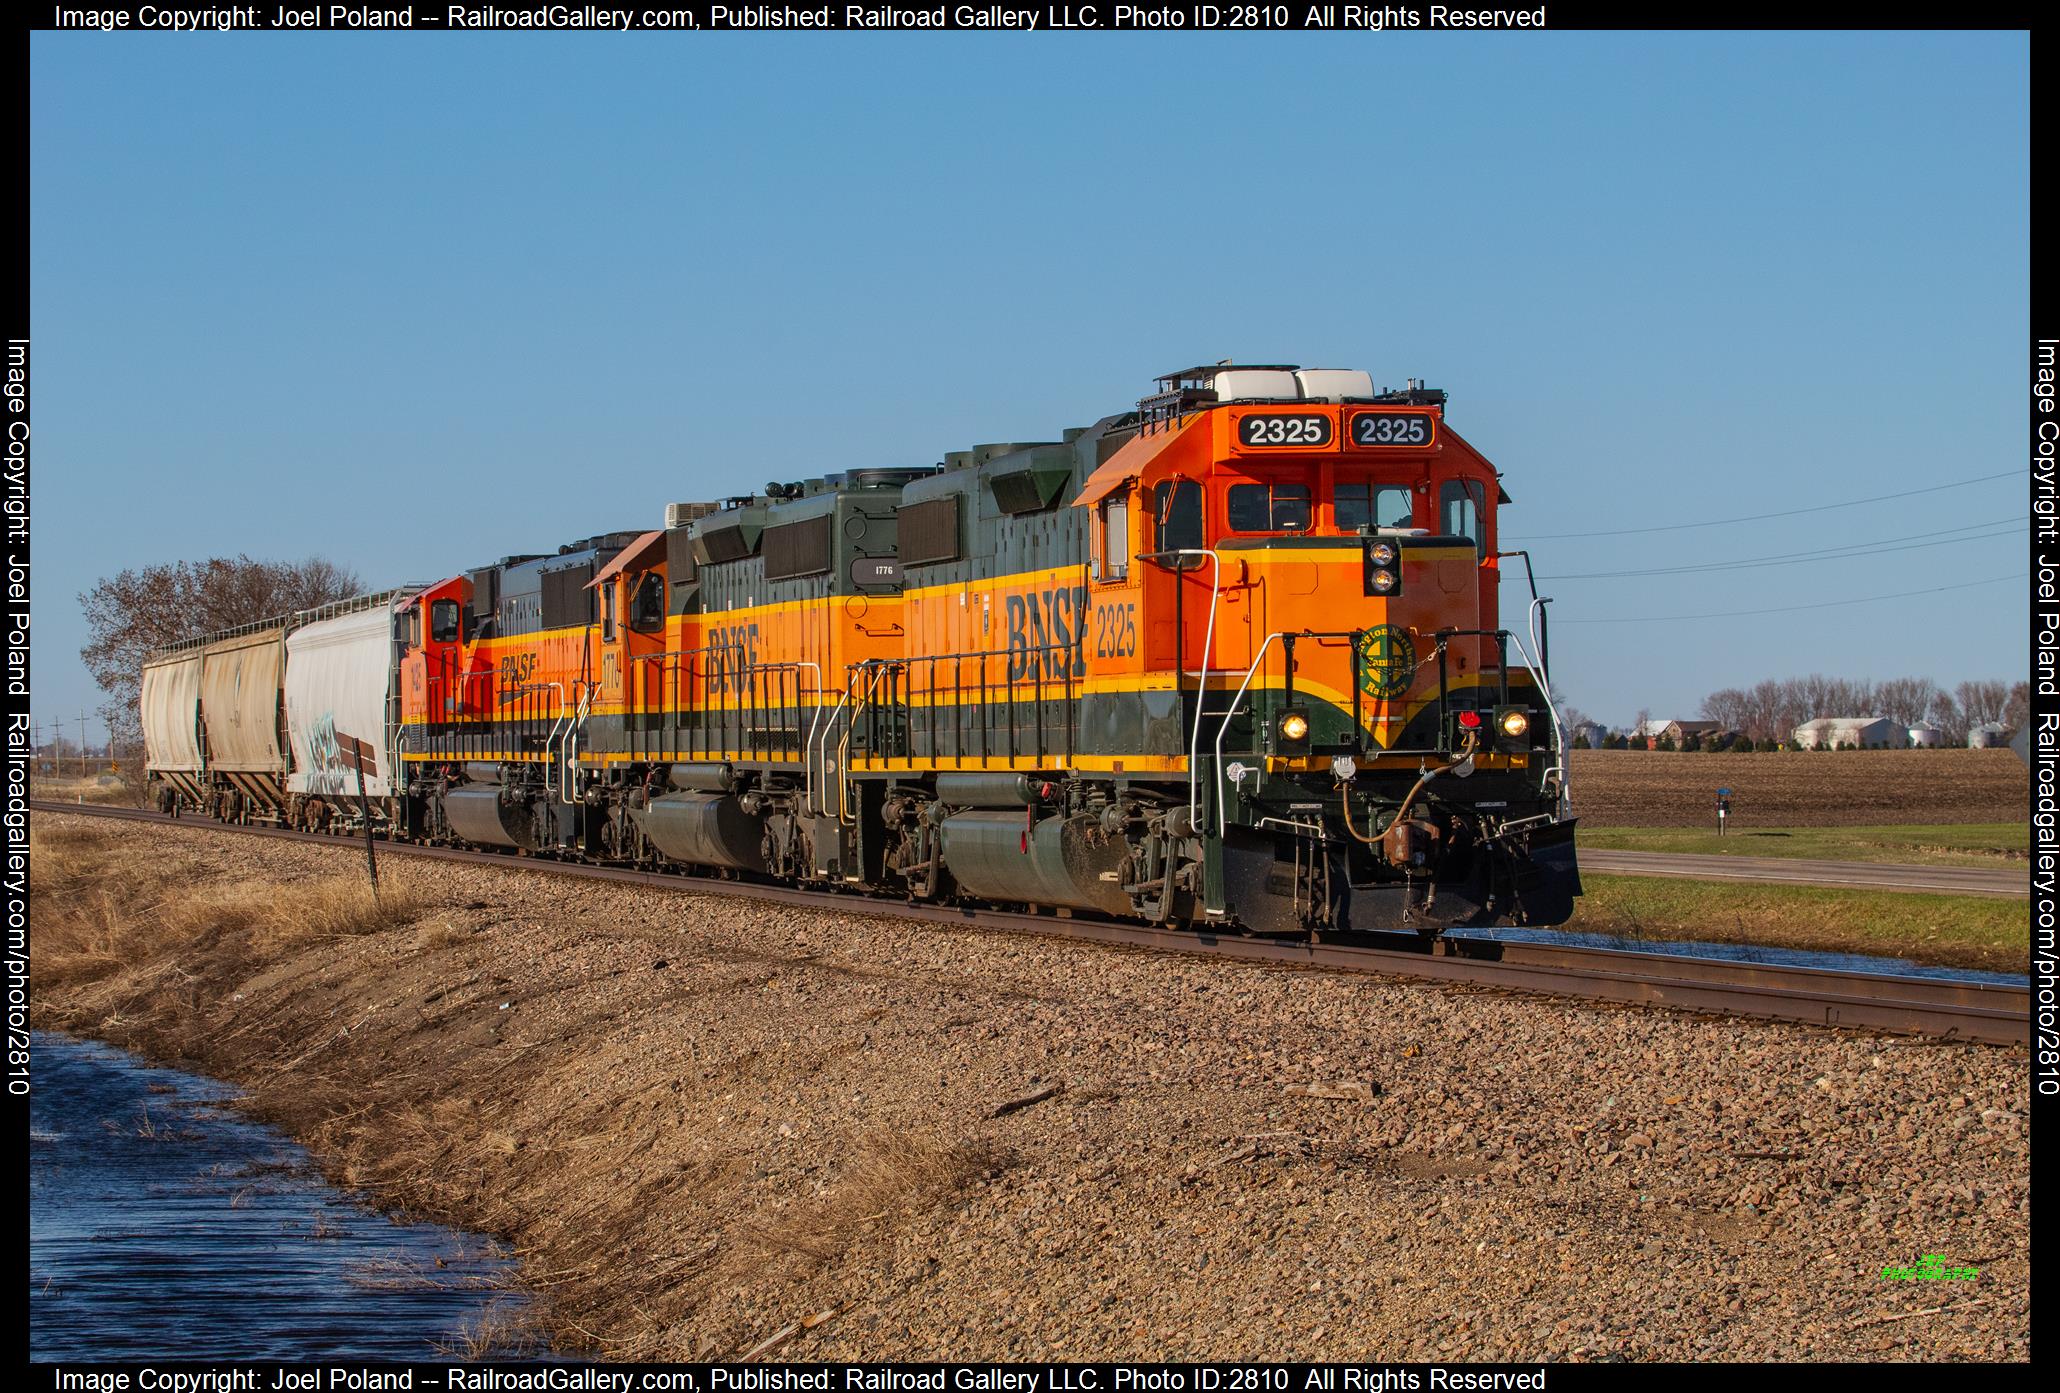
x: 443, y: 621
x: 1177, y: 507
x: 1114, y: 557
x: 1458, y: 513
x: 647, y: 606
x: 1269, y: 507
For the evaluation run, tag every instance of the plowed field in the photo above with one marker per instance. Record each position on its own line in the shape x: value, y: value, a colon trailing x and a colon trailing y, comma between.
x: 1845, y: 788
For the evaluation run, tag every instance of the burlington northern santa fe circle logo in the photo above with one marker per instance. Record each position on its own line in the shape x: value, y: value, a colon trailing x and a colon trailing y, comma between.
x: 1387, y: 661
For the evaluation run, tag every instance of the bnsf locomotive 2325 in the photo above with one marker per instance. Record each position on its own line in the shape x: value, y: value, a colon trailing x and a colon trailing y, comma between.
x: 1236, y: 659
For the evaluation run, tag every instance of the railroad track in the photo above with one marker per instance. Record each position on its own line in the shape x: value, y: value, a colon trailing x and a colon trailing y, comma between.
x: 1981, y: 1012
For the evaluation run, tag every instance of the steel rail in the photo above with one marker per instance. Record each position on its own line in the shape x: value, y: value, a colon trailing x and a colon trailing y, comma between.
x: 1945, y: 1008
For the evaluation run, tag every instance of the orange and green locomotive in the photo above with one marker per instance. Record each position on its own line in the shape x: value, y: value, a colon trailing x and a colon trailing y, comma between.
x: 1236, y: 659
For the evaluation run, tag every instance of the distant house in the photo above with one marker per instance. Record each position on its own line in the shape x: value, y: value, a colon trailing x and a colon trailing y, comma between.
x: 1926, y: 736
x: 1850, y: 733
x: 1650, y: 733
x: 1988, y: 736
x: 1593, y: 732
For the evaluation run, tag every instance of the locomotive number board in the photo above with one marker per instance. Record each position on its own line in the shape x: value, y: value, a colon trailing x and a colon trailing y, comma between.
x: 1406, y: 429
x: 1283, y: 429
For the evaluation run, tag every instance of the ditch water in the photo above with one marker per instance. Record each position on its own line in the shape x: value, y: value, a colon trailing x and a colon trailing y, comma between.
x: 1745, y: 953
x: 162, y: 1224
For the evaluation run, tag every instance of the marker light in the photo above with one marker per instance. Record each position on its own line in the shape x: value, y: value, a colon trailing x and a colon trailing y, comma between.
x: 1469, y: 720
x: 1515, y: 723
x: 1294, y: 726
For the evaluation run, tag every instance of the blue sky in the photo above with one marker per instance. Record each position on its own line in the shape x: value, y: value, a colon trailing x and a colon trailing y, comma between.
x: 415, y: 302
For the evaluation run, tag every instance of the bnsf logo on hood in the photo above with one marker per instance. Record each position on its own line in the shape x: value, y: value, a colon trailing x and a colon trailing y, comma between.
x: 1044, y: 633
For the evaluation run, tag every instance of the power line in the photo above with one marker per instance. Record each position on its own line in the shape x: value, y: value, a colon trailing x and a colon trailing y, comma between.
x: 1790, y: 609
x: 1916, y: 541
x: 1762, y: 517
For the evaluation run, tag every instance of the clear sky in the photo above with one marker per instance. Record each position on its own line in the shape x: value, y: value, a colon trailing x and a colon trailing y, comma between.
x: 416, y: 302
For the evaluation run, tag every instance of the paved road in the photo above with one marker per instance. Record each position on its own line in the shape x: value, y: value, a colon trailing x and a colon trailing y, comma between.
x: 1852, y: 875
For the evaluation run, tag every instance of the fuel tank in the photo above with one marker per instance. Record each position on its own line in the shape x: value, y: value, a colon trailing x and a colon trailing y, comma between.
x: 704, y: 829
x: 1068, y: 861
x: 479, y: 815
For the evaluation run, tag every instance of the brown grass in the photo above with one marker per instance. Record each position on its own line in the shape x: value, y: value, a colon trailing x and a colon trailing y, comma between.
x: 62, y: 854
x: 74, y: 788
x: 891, y: 1175
x: 500, y: 1330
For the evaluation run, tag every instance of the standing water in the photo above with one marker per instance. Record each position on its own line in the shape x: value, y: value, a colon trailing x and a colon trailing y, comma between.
x: 162, y: 1224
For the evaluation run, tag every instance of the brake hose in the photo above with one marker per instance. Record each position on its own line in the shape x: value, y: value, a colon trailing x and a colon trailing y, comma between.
x: 1345, y: 790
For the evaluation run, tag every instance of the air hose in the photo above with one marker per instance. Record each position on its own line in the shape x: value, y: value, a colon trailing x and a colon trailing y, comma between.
x: 1345, y: 790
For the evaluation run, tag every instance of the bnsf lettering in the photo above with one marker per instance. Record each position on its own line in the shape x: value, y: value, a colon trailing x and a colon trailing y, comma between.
x: 1045, y: 632
x: 733, y: 654
x: 516, y: 670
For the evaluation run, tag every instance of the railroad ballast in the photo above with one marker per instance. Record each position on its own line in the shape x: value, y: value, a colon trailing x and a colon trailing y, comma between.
x: 1233, y: 660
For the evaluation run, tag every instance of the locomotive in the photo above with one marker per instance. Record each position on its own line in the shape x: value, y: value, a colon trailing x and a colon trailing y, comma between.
x: 1234, y: 660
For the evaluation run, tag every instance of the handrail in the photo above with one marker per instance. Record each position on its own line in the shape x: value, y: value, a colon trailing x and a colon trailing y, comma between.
x: 824, y: 809
x: 880, y: 666
x: 1223, y: 804
x: 551, y: 736
x: 1558, y: 736
x: 568, y: 779
x: 1194, y: 748
x: 1223, y: 726
x: 1545, y: 686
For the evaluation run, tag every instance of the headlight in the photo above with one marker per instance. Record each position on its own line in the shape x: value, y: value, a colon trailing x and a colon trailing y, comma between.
x: 1383, y: 582
x: 1383, y: 553
x: 1515, y: 723
x: 1294, y: 726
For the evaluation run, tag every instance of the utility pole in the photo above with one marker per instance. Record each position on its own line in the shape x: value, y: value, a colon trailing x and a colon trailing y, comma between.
x: 82, y: 744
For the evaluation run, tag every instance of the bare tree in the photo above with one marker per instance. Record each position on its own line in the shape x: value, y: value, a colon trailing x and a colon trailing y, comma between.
x: 1905, y: 700
x: 2017, y: 710
x: 1949, y: 718
x: 131, y: 614
x: 1729, y: 708
x: 1981, y: 702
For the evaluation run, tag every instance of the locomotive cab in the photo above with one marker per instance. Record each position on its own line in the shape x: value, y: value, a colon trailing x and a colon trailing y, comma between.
x: 1313, y: 566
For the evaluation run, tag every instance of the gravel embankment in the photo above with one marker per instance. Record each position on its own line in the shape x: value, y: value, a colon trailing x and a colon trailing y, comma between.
x: 702, y: 1120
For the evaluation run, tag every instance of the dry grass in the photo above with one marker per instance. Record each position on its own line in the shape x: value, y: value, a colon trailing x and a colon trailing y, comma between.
x: 281, y: 916
x: 62, y: 854
x: 501, y: 1329
x: 441, y: 934
x: 72, y: 788
x: 892, y: 1174
x: 118, y: 919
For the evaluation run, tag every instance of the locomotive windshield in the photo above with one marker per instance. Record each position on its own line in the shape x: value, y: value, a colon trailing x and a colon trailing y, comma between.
x: 1269, y: 507
x: 1373, y: 505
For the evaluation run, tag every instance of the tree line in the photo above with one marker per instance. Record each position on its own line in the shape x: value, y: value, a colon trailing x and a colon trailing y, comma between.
x: 1771, y: 710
